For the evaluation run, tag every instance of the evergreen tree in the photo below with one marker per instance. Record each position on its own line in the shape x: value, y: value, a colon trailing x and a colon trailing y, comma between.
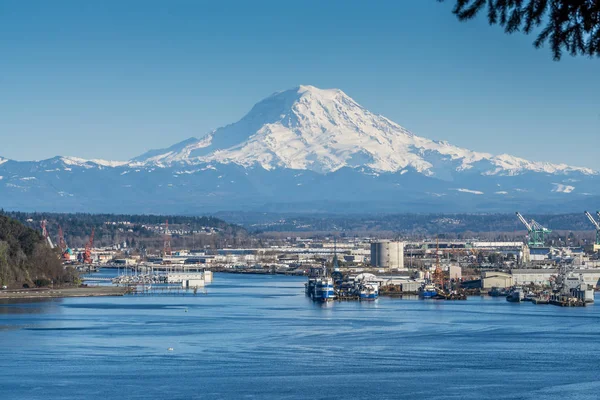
x: 571, y: 25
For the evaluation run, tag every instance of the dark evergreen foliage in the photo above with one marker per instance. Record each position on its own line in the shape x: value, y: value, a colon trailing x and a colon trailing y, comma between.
x: 78, y: 226
x: 571, y: 25
x: 26, y: 259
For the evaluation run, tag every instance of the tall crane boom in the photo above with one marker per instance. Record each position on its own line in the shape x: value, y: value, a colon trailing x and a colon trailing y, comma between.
x: 45, y: 234
x: 536, y: 233
x: 524, y: 221
x: 596, y: 225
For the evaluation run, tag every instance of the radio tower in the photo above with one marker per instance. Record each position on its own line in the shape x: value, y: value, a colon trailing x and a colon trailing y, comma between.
x: 167, y: 243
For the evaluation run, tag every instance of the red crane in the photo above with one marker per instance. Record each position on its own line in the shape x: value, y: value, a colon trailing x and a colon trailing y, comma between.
x: 87, y: 255
x: 167, y: 243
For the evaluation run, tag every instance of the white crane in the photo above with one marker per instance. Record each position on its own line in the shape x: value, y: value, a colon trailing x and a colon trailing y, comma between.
x: 524, y: 221
x: 45, y: 234
x: 596, y: 225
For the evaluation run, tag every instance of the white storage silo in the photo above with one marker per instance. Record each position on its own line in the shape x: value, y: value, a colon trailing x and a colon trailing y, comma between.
x: 387, y: 254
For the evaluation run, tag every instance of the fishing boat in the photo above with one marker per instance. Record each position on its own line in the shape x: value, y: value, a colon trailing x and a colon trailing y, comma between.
x: 320, y: 285
x: 324, y: 289
x: 369, y: 291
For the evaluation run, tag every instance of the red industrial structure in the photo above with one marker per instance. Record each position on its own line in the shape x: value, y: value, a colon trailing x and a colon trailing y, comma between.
x: 87, y: 255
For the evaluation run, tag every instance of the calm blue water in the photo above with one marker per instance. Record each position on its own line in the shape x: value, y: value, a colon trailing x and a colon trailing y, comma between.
x: 259, y: 337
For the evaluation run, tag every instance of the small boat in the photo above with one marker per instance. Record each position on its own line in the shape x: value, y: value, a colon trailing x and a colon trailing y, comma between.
x: 529, y: 297
x: 369, y: 292
x: 497, y: 292
x: 427, y: 291
x: 516, y: 295
x: 542, y: 298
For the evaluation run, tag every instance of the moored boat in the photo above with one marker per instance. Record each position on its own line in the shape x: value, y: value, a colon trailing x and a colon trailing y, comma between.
x: 428, y: 291
x: 542, y: 298
x: 368, y: 292
x: 324, y: 289
x: 516, y: 295
x: 497, y: 292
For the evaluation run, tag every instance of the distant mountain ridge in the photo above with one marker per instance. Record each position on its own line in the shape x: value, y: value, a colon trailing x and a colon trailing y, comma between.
x: 288, y: 149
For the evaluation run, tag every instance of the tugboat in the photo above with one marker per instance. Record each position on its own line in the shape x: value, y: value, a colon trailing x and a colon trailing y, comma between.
x: 516, y: 295
x: 428, y: 291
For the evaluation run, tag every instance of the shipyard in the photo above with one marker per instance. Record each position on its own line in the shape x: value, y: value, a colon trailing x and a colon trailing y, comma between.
x: 345, y: 268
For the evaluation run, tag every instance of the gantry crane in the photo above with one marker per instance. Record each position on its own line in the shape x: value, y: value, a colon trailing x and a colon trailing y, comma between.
x: 536, y: 233
x: 596, y: 225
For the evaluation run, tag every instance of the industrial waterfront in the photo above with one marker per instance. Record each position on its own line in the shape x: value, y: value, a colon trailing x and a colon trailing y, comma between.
x: 258, y: 336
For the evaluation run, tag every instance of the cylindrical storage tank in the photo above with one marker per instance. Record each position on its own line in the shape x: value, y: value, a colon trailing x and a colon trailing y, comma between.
x: 387, y: 254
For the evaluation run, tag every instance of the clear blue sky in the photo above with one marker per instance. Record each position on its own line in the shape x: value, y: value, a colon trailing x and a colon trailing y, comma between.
x: 111, y: 79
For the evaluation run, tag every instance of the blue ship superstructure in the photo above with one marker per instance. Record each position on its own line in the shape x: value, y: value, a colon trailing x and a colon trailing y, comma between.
x: 428, y: 291
x: 324, y: 289
x: 320, y: 286
x: 366, y: 286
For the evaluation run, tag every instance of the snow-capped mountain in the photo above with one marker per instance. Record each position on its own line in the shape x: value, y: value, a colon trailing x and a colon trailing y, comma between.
x: 307, y: 128
x: 303, y: 146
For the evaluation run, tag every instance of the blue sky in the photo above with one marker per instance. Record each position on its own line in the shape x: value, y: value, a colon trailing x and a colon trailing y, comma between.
x: 113, y: 79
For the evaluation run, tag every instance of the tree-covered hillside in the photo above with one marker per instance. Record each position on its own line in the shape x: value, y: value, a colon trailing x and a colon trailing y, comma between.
x: 143, y: 230
x: 26, y: 259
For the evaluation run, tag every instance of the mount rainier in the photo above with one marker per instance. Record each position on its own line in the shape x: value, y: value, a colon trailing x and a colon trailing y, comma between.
x: 304, y: 149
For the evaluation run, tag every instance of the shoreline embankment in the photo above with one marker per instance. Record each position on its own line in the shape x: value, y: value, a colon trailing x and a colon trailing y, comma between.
x: 45, y: 293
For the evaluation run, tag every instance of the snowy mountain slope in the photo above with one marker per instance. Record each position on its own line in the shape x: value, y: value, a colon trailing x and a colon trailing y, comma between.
x: 324, y: 130
x: 303, y: 149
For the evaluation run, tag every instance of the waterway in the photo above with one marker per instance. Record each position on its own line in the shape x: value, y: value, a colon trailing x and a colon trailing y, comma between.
x: 259, y: 337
